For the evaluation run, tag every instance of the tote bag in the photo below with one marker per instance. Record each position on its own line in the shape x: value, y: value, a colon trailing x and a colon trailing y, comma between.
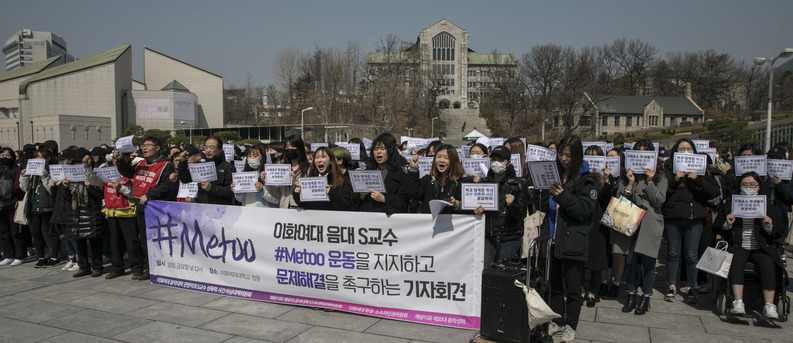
x: 623, y: 216
x: 716, y: 261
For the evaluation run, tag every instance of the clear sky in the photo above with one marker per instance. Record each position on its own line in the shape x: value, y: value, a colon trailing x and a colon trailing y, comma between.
x: 232, y: 38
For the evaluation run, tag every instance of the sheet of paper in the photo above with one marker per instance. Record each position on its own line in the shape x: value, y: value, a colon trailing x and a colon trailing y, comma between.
x: 187, y: 190
x: 315, y: 146
x: 514, y: 159
x: 74, y: 172
x: 367, y: 143
x: 245, y: 182
x: 35, y: 166
x: 228, y: 150
x: 748, y: 206
x: 364, y: 180
x: 782, y: 169
x: 124, y: 145
x: 108, y: 174
x: 353, y: 148
x: 544, y: 174
x: 436, y: 206
x: 56, y: 172
x: 614, y: 165
x: 700, y: 144
x: 596, y: 163
x: 313, y: 189
x: 538, y: 153
x: 239, y: 165
x: 425, y: 165
x: 278, y: 175
x: 479, y: 194
x: 639, y: 160
x: 205, y: 171
x: 696, y: 163
x: 472, y: 166
x: 745, y: 164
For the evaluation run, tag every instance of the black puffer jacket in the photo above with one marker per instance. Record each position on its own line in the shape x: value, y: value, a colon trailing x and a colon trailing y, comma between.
x: 40, y: 200
x: 686, y: 198
x: 575, y: 217
x: 507, y: 223
x: 79, y: 208
x: 220, y: 192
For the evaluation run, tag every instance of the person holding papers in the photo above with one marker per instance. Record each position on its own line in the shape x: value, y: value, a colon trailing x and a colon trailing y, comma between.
x: 40, y: 204
x: 599, y: 235
x: 12, y: 240
x: 684, y: 216
x: 648, y: 191
x: 478, y: 150
x: 385, y: 158
x: 120, y: 212
x: 504, y: 229
x: 571, y: 210
x: 443, y: 181
x: 338, y: 188
x: 149, y: 182
x: 216, y: 192
x: 295, y: 155
x: 781, y: 197
x: 254, y: 161
x: 752, y: 239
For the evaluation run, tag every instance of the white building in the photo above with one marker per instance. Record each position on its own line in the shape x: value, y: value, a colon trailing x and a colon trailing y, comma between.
x: 26, y: 47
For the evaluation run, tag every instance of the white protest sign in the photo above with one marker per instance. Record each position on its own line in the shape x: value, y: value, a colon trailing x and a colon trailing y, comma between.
x: 614, y: 164
x: 479, y: 194
x: 596, y: 163
x: 425, y: 165
x: 602, y: 145
x: 108, y: 174
x: 187, y: 190
x: 514, y: 159
x: 748, y: 206
x: 700, y: 144
x: 74, y: 172
x: 538, y: 153
x: 364, y: 180
x: 782, y: 169
x: 56, y: 172
x: 466, y: 151
x: 239, y: 165
x: 544, y: 174
x: 200, y: 172
x: 313, y: 189
x: 35, y: 166
x: 708, y: 151
x: 315, y: 146
x: 353, y: 148
x: 278, y: 175
x: 627, y: 146
x: 415, y: 143
x: 124, y: 145
x: 639, y: 160
x: 245, y: 182
x: 496, y: 141
x: 609, y: 146
x: 228, y: 151
x: 472, y: 166
x: 437, y: 206
x: 367, y: 143
x: 688, y: 163
x: 745, y: 164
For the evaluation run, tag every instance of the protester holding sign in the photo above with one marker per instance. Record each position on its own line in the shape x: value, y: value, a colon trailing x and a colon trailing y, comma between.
x: 752, y: 240
x: 212, y: 192
x: 571, y: 207
x: 363, y: 156
x: 386, y: 159
x: 338, y: 187
x: 685, y: 213
x: 12, y: 238
x: 598, y: 261
x: 442, y: 182
x: 294, y: 155
x: 731, y: 180
x: 254, y: 162
x: 120, y: 212
x: 648, y: 191
x: 504, y: 228
x: 478, y: 150
x: 40, y: 204
x: 781, y: 195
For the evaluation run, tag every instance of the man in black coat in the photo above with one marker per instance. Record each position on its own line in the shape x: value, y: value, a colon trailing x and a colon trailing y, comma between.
x: 216, y: 192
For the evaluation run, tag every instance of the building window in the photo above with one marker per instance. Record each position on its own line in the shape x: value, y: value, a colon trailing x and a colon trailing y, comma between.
x: 671, y: 121
x: 605, y: 121
x: 443, y: 47
x: 471, y: 84
x: 472, y: 73
x: 586, y: 121
x: 696, y: 120
x: 555, y: 121
x: 653, y: 121
x: 628, y: 121
x: 485, y: 73
x: 616, y: 120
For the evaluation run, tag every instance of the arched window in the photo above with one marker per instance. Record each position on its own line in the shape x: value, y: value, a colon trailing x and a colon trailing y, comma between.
x: 443, y: 47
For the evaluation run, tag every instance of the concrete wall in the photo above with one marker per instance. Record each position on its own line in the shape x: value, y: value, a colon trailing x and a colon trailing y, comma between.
x: 161, y: 70
x: 67, y: 130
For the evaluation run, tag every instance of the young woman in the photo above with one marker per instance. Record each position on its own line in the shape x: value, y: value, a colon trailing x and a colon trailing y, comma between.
x: 684, y: 216
x: 338, y: 189
x: 648, y: 191
x: 478, y: 150
x: 598, y: 261
x: 254, y: 161
x: 752, y: 240
x: 295, y: 156
x: 571, y: 208
x: 385, y: 158
x: 11, y: 239
x: 443, y: 181
x: 40, y: 204
x: 362, y: 154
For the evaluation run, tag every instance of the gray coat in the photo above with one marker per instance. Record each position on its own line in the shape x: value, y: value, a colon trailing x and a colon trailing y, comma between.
x: 651, y: 198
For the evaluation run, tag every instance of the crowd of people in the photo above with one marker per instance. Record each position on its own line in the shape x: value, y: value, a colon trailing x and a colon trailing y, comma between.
x: 102, y: 223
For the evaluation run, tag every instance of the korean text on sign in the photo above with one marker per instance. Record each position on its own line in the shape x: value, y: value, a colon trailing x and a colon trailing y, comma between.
x: 745, y: 164
x: 476, y: 194
x: 200, y: 172
x: 748, y: 206
x: 544, y: 174
x: 278, y: 175
x: 639, y: 160
x: 364, y: 180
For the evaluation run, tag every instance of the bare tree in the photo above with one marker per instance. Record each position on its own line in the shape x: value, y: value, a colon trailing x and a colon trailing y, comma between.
x: 542, y: 69
x: 633, y: 59
x: 511, y: 94
x: 581, y: 88
x: 286, y: 66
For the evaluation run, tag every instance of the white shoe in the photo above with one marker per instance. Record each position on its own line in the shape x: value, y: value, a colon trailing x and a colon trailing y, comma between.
x: 6, y: 262
x: 769, y: 311
x: 17, y: 262
x: 75, y: 267
x: 738, y: 308
x: 68, y: 265
x: 553, y: 328
x: 568, y: 335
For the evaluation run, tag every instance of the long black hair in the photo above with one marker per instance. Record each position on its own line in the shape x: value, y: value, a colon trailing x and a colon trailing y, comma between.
x: 570, y: 175
x: 297, y: 142
x: 395, y: 160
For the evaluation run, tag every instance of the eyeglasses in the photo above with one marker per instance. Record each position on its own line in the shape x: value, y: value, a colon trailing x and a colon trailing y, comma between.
x: 150, y: 145
x: 749, y: 185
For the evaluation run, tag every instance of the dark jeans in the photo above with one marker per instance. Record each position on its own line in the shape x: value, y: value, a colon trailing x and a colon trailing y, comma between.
x: 763, y: 264
x: 685, y: 233
x: 508, y: 250
x: 124, y: 236
x: 42, y: 234
x: 12, y: 239
x: 565, y: 287
x: 141, y: 232
x: 96, y: 253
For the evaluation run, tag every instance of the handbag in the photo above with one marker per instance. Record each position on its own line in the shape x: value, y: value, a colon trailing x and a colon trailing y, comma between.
x: 539, y: 312
x: 623, y: 216
x: 716, y: 261
x: 531, y: 230
x: 21, y: 212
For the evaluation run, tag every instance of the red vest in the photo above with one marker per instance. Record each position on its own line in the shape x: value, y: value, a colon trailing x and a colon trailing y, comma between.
x: 115, y: 200
x: 146, y: 177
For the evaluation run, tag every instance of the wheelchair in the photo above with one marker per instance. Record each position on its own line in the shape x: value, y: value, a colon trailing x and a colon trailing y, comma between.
x: 752, y: 292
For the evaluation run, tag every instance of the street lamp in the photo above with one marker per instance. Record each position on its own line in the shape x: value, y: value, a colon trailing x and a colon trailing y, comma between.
x: 760, y: 61
x: 543, y: 129
x: 191, y: 130
x: 432, y: 130
x: 301, y: 120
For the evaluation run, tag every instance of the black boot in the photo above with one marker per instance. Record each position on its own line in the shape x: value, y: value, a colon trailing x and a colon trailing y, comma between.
x: 644, y: 305
x: 630, y: 304
x: 614, y: 290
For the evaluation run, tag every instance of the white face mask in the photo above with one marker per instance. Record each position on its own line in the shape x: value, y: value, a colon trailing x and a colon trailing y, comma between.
x: 109, y: 157
x: 498, y: 167
x: 254, y: 163
x: 749, y: 191
x: 474, y: 156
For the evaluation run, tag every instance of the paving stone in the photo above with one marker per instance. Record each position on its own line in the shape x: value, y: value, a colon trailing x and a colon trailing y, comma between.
x: 57, y: 293
x: 77, y: 337
x: 240, y: 339
x: 179, y: 296
x: 323, y: 334
x: 257, y: 327
x: 13, y: 286
x: 9, y: 299
x: 336, y: 319
x: 178, y: 314
x: 661, y: 335
x: 121, y: 285
x: 421, y: 332
x: 115, y: 303
x: 252, y: 307
x: 17, y: 331
x: 651, y: 319
x: 748, y: 328
x: 36, y: 311
x: 612, y: 333
x: 164, y: 332
x: 97, y: 323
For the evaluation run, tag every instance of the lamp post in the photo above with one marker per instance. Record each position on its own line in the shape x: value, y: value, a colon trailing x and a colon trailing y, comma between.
x: 543, y: 129
x: 191, y: 130
x: 432, y: 130
x: 760, y: 61
x: 303, y: 112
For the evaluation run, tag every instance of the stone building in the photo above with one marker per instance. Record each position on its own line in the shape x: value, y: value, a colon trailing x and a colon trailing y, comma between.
x: 26, y: 47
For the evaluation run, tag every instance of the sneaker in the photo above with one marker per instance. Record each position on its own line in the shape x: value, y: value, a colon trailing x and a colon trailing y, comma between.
x: 553, y: 328
x: 68, y: 265
x: 75, y: 267
x: 17, y: 262
x: 51, y: 262
x: 670, y: 294
x: 6, y: 262
x: 40, y: 263
x: 691, y: 296
x: 769, y: 311
x: 738, y: 308
x: 568, y: 335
